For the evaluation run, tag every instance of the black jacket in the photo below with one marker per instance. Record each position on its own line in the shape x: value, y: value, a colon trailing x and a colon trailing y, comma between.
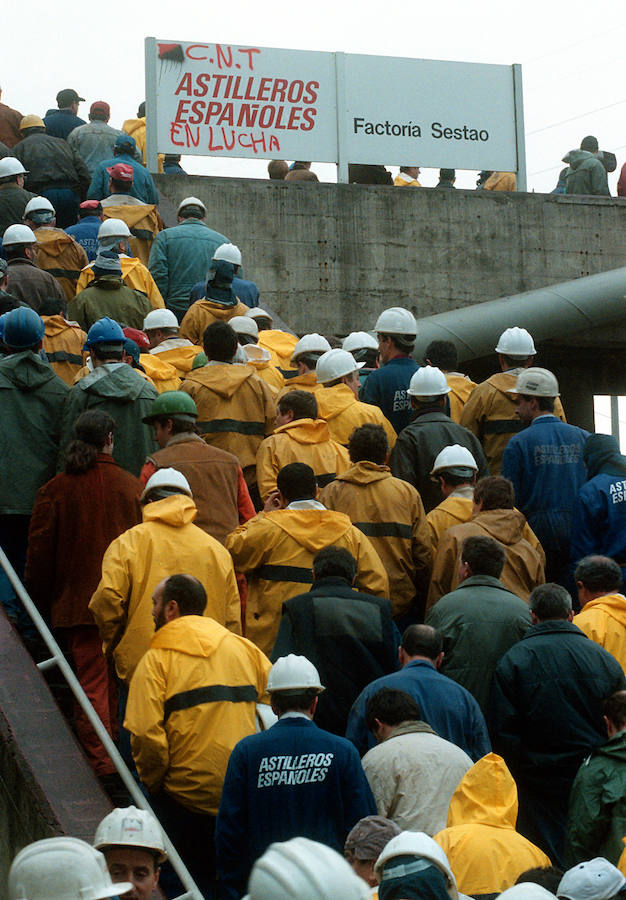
x: 13, y: 200
x: 51, y: 162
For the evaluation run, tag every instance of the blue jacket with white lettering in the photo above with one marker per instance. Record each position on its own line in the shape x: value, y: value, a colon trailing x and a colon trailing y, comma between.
x: 387, y: 388
x: 599, y: 524
x: 292, y: 780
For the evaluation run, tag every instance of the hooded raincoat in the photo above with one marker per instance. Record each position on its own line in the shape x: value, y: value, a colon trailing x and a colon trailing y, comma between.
x: 390, y: 512
x: 63, y: 344
x: 454, y: 510
x: 280, y: 345
x: 303, y: 440
x: 586, y: 174
x: 460, y: 388
x: 276, y: 549
x: 485, y: 851
x: 203, y: 312
x: 305, y: 382
x: 178, y: 352
x: 167, y: 542
x: 144, y: 223
x: 134, y: 274
x: 109, y: 296
x: 344, y: 413
x: 163, y: 376
x: 192, y: 699
x: 604, y: 621
x: 61, y: 256
x: 261, y: 361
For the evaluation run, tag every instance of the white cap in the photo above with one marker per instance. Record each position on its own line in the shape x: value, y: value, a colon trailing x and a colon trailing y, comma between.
x: 61, y: 868
x: 38, y: 204
x: 359, y: 340
x: 396, y: 320
x: 454, y: 457
x: 418, y: 844
x: 428, y: 381
x: 292, y: 673
x: 11, y: 166
x: 516, y: 342
x: 190, y: 201
x: 304, y: 869
x: 18, y: 234
x: 597, y: 879
x: 171, y: 478
x: 257, y: 312
x: 244, y: 325
x: 536, y: 382
x: 309, y: 343
x: 527, y: 890
x: 335, y: 364
x: 228, y: 252
x: 131, y: 827
x: 160, y: 318
x: 113, y: 228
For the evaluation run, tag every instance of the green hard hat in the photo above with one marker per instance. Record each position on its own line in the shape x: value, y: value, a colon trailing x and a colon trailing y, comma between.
x: 200, y: 359
x: 173, y: 403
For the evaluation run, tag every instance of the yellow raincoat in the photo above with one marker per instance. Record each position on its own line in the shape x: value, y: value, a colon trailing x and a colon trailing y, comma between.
x: 390, y: 512
x: 260, y: 360
x: 500, y: 181
x: 178, y: 352
x: 280, y: 345
x: 203, y: 313
x: 136, y: 128
x: 460, y: 388
x: 604, y: 621
x: 304, y: 440
x: 305, y: 382
x: 134, y: 274
x: 485, y: 852
x: 344, y: 413
x: 192, y: 698
x: 166, y: 543
x: 144, y: 223
x: 276, y: 551
x: 61, y: 256
x: 162, y: 375
x: 63, y: 344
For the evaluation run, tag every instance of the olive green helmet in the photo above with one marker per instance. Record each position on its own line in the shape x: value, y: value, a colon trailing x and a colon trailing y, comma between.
x: 173, y: 403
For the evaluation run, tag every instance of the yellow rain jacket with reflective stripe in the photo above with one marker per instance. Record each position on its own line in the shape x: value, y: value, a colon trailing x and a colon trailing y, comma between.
x: 604, y: 621
x: 460, y: 388
x: 276, y: 549
x: 61, y: 256
x: 144, y: 223
x: 280, y: 345
x: 269, y: 373
x: 304, y: 440
x: 63, y: 344
x: 192, y: 698
x: 166, y: 543
x: 344, y: 413
x: 163, y: 376
x: 485, y: 852
x: 390, y: 513
x: 203, y: 313
x: 135, y: 275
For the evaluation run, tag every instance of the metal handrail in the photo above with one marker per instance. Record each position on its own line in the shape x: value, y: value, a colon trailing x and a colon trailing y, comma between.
x: 58, y: 659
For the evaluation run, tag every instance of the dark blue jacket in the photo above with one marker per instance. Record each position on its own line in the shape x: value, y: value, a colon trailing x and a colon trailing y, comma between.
x: 387, y: 388
x: 448, y: 708
x: 599, y: 523
x: 292, y: 780
x: 85, y: 233
x: 247, y: 291
x: 59, y: 122
x: 143, y: 184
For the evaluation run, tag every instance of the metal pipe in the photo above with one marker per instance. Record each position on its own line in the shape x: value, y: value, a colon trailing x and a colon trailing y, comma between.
x: 560, y: 310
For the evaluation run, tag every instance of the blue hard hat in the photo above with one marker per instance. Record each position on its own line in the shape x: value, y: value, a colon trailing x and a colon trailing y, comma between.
x: 104, y: 331
x: 22, y: 328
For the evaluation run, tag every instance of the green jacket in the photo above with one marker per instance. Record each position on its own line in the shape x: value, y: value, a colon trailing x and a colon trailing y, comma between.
x: 31, y: 399
x: 596, y: 822
x: 109, y: 296
x: 116, y: 389
x: 479, y: 622
x: 586, y: 174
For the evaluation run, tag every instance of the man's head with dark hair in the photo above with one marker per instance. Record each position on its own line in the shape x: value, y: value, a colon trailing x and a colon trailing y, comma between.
x: 544, y: 404
x: 176, y: 596
x: 548, y: 877
x: 220, y: 342
x: 550, y: 601
x: 52, y: 306
x: 389, y: 707
x: 277, y: 169
x: 614, y: 711
x: 494, y: 492
x: 421, y: 641
x: 447, y: 176
x: 296, y: 481
x: 369, y: 443
x: 302, y: 404
x: 293, y: 701
x: 334, y: 562
x: 442, y: 354
x: 141, y: 109
x: 191, y: 211
x: 483, y: 556
x: 598, y: 576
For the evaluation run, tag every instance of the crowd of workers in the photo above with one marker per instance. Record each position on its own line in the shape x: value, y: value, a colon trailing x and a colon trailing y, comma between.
x: 328, y: 600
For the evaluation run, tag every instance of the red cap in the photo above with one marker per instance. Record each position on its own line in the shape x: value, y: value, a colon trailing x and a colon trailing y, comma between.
x: 93, y: 205
x: 121, y: 172
x: 100, y: 106
x: 139, y: 337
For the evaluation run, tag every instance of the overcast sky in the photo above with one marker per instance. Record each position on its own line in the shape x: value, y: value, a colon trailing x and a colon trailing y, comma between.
x: 572, y: 57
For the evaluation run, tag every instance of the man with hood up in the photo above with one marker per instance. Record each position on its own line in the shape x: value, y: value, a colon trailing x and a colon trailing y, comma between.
x: 277, y: 548
x: 485, y: 851
x: 220, y: 302
x: 587, y: 174
x: 108, y: 295
x: 63, y: 341
x: 603, y: 616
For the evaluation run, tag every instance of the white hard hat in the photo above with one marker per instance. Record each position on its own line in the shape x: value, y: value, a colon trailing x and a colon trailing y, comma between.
x: 257, y: 312
x: 228, y: 252
x: 304, y: 869
x: 527, y: 890
x: 160, y: 318
x: 244, y: 325
x: 416, y: 843
x: 396, y: 320
x: 516, y: 342
x: 454, y: 459
x: 359, y: 340
x: 171, y: 478
x: 190, y: 201
x: 18, y: 234
x: 536, y: 382
x: 61, y: 868
x: 309, y: 343
x: 38, y: 204
x: 11, y: 166
x: 596, y: 879
x: 293, y: 673
x: 131, y: 827
x: 335, y: 364
x: 428, y: 381
x: 113, y: 228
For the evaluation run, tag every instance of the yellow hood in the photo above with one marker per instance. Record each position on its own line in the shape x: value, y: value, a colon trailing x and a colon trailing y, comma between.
x: 365, y: 472
x: 130, y: 213
x: 177, y: 510
x: 56, y: 325
x: 281, y: 342
x: 53, y: 239
x: 333, y: 401
x: 306, y: 431
x: 313, y: 529
x: 614, y: 605
x: 132, y: 126
x: 158, y: 369
x: 193, y: 635
x: 504, y: 381
x: 503, y: 525
x: 224, y: 379
x: 486, y: 795
x: 221, y: 312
